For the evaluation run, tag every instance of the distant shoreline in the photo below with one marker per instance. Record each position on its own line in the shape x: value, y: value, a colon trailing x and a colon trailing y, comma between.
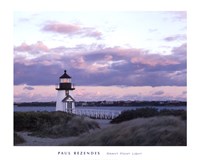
x: 107, y: 104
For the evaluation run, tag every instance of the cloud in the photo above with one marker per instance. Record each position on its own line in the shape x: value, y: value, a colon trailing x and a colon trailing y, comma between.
x: 72, y: 30
x: 33, y: 97
x: 28, y: 88
x: 176, y: 16
x: 37, y: 48
x: 180, y: 51
x: 177, y: 37
x: 36, y: 74
x: 153, y: 60
x: 180, y: 15
x: 21, y: 20
x: 184, y: 92
x: 103, y: 67
x: 91, y: 93
x: 158, y: 93
x: 152, y: 30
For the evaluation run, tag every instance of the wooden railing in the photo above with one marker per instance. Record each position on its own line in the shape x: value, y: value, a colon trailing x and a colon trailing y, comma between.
x: 97, y: 113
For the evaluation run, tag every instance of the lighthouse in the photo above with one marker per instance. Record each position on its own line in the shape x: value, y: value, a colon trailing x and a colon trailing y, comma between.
x: 64, y: 101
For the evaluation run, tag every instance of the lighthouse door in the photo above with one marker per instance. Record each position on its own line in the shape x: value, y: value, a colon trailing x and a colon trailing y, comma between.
x: 69, y: 106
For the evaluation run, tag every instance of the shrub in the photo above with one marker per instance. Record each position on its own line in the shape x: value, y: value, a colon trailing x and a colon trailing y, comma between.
x: 173, y: 112
x: 52, y: 124
x: 34, y: 121
x: 138, y: 113
x: 147, y: 112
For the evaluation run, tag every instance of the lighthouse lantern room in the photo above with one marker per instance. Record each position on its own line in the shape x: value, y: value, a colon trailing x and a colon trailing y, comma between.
x: 64, y: 101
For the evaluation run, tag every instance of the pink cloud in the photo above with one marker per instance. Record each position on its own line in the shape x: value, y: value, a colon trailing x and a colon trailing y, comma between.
x: 62, y: 28
x: 158, y: 93
x: 22, y: 48
x: 33, y: 48
x: 108, y: 57
x: 143, y: 56
x: 79, y: 63
x: 91, y: 93
x: 104, y: 66
x: 28, y: 88
x: 153, y: 60
x: 91, y: 67
x: 33, y: 97
x: 134, y: 55
x: 72, y: 30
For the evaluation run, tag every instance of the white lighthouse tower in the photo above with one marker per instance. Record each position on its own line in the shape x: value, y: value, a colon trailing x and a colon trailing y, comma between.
x: 64, y: 101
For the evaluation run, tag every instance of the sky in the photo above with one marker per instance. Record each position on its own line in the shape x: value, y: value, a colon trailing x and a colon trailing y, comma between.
x: 116, y: 55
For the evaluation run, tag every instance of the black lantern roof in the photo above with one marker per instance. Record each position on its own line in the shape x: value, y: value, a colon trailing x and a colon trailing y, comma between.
x: 65, y: 75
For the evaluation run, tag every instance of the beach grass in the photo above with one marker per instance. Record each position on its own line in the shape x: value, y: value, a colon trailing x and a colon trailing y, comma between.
x: 18, y: 139
x: 52, y: 124
x: 152, y: 131
x: 149, y: 127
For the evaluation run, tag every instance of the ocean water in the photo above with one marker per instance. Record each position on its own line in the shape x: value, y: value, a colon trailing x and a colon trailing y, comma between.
x: 113, y: 108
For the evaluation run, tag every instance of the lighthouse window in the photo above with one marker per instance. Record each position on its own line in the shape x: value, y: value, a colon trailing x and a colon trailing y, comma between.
x: 64, y: 80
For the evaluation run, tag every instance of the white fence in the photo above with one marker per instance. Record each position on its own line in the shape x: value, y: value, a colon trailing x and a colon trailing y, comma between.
x: 97, y: 113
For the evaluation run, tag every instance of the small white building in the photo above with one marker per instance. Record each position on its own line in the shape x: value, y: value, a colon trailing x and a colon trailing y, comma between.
x: 64, y: 101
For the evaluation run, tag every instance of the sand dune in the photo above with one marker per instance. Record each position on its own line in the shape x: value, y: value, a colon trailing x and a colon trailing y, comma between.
x: 40, y: 141
x: 153, y: 131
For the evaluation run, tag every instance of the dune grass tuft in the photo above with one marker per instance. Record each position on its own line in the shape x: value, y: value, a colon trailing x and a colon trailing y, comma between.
x: 18, y: 139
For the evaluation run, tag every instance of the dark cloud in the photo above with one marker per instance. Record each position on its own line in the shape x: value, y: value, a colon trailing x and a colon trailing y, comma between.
x: 72, y: 30
x: 36, y: 74
x: 105, y: 67
x: 28, y: 88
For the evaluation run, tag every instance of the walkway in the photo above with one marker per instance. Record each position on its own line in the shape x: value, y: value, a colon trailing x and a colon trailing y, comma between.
x: 97, y: 113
